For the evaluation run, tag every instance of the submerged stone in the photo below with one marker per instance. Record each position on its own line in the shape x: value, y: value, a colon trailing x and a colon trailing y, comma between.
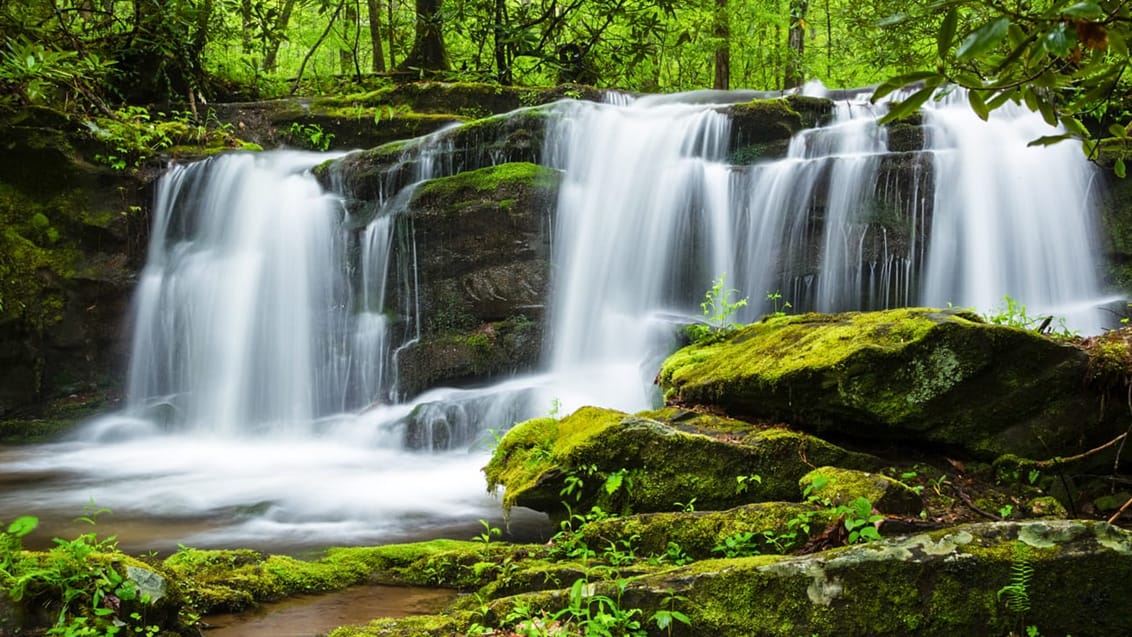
x: 943, y: 378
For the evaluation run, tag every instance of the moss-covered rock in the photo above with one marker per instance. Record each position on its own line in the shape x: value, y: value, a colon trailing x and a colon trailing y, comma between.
x: 762, y: 128
x: 842, y: 486
x: 641, y: 463
x: 481, y: 248
x: 934, y: 377
x: 934, y: 584
x: 68, y: 246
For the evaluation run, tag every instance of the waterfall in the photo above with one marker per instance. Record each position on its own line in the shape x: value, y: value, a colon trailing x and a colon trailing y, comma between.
x: 651, y: 210
x: 270, y: 313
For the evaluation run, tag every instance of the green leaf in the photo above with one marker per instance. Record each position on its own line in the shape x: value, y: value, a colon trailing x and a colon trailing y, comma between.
x: 1118, y: 131
x: 978, y: 104
x: 1075, y: 127
x: 983, y: 39
x: 1118, y: 167
x: 893, y: 20
x: 1049, y: 140
x: 1084, y: 10
x: 1060, y: 40
x: 613, y: 482
x: 908, y: 106
x: 1045, y: 107
x: 947, y: 31
x: 900, y: 81
x: 23, y: 525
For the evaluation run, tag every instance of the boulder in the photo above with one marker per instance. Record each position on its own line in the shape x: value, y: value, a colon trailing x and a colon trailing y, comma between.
x: 1062, y: 577
x: 842, y: 486
x: 654, y: 461
x: 935, y: 378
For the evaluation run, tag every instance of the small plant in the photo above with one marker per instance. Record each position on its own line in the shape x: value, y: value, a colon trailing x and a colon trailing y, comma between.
x: 743, y: 483
x: 718, y: 308
x: 1016, y: 594
x: 687, y: 507
x: 1014, y: 315
x: 860, y: 521
x: 489, y: 532
x: 740, y: 544
x: 311, y: 135
x: 667, y: 613
x: 1005, y: 510
x: 778, y: 304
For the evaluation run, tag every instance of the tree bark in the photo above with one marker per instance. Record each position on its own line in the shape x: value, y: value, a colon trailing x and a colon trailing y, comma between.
x: 428, y: 52
x: 276, y: 37
x: 796, y: 44
x: 346, y: 61
x: 374, y: 7
x: 502, y: 59
x: 722, y: 32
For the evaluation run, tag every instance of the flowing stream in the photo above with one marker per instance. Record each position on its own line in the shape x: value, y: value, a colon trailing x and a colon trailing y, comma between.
x: 263, y: 406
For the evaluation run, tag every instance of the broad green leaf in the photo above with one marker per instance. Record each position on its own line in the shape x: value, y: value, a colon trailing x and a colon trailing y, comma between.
x: 978, y: 104
x: 1118, y: 131
x: 908, y: 106
x: 1075, y: 127
x: 1045, y: 107
x: 1060, y: 40
x: 1049, y: 140
x: 983, y: 39
x: 23, y: 525
x: 1083, y: 10
x: 1030, y: 96
x: 947, y: 31
x: 1118, y: 167
x: 900, y: 81
x: 613, y: 482
x: 1001, y: 98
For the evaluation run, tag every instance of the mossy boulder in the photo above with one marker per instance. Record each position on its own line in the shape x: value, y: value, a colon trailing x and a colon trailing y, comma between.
x: 698, y: 533
x: 641, y: 463
x: 842, y: 486
x: 942, y: 583
x: 930, y: 377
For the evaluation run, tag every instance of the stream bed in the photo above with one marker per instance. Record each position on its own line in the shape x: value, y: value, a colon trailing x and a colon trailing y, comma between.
x: 319, y: 614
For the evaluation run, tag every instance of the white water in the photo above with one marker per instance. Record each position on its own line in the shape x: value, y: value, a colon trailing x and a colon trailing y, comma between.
x: 261, y: 399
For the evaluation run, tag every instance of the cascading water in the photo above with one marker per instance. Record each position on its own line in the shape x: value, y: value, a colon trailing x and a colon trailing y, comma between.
x: 262, y: 399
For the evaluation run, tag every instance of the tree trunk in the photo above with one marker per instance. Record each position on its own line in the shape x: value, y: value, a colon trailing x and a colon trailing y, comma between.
x: 276, y: 37
x: 345, y: 54
x: 428, y: 52
x: 722, y: 33
x: 796, y: 44
x: 375, y: 35
x: 502, y: 59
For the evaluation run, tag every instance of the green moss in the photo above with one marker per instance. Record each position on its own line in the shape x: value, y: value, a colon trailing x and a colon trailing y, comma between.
x: 216, y: 581
x: 922, y: 374
x: 487, y: 180
x: 663, y: 464
x: 420, y: 626
x: 842, y: 486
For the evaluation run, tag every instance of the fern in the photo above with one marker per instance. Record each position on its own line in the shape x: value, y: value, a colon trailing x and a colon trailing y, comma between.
x: 1016, y: 594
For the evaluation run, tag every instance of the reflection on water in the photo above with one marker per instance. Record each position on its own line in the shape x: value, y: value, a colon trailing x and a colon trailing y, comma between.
x: 309, y: 616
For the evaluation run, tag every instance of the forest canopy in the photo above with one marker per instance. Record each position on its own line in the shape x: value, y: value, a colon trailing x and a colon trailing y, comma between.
x: 1067, y: 59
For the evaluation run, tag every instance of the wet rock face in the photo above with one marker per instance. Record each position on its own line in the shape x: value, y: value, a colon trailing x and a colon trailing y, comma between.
x: 926, y: 376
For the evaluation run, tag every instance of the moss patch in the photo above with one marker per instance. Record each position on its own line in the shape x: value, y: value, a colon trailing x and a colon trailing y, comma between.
x: 656, y: 465
x: 930, y: 376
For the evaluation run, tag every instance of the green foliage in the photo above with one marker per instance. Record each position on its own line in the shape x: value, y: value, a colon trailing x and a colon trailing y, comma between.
x: 1014, y: 314
x: 489, y: 532
x: 310, y: 136
x: 1016, y: 594
x: 778, y: 304
x: 1065, y: 59
x: 718, y: 308
x: 81, y: 575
